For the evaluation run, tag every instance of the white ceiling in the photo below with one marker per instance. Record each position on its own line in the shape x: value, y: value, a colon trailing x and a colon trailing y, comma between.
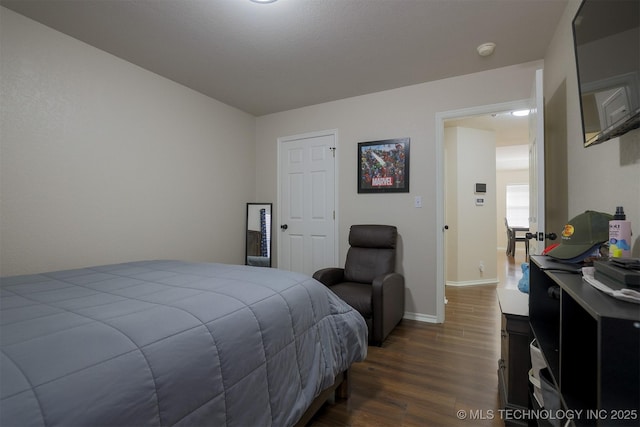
x: 266, y: 58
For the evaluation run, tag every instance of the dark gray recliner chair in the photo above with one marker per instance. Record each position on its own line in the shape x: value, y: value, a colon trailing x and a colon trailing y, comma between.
x: 368, y: 282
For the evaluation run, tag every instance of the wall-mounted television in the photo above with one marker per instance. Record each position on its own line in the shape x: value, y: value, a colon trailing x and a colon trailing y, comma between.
x: 606, y: 34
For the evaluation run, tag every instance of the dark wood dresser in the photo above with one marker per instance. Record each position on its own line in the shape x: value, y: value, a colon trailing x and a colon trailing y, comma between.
x: 514, y: 362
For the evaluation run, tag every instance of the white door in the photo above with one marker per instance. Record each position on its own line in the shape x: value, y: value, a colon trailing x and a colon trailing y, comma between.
x: 306, y: 237
x: 536, y: 167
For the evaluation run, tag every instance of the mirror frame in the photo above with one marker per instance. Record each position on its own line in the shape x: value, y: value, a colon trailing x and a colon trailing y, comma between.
x: 251, y: 208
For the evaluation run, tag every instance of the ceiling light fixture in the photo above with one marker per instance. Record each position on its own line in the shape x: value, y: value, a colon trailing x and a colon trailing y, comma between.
x: 520, y: 113
x: 486, y: 49
x: 264, y: 1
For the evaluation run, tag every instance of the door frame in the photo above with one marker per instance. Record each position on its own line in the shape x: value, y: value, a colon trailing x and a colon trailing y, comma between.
x: 441, y: 117
x: 307, y: 135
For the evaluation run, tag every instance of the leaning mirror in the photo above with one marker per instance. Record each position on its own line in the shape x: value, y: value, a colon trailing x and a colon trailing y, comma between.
x: 258, y: 246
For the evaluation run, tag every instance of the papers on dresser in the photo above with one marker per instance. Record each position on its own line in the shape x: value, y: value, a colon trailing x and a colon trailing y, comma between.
x: 622, y: 294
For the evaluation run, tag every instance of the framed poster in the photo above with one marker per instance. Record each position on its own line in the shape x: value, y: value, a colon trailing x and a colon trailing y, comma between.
x: 383, y: 166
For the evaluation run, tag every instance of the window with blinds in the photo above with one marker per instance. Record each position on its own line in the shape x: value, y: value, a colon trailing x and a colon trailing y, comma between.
x: 518, y: 205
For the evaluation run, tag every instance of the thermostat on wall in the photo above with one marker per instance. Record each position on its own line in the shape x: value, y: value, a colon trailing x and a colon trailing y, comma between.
x: 481, y: 188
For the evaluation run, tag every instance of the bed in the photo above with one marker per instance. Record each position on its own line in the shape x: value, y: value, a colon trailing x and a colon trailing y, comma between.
x: 171, y: 343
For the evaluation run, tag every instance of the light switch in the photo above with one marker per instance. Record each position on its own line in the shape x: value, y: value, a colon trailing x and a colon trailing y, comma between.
x: 417, y: 201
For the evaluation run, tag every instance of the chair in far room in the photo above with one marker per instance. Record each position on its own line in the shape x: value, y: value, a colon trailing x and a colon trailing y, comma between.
x: 368, y: 282
x: 513, y: 238
x: 511, y: 243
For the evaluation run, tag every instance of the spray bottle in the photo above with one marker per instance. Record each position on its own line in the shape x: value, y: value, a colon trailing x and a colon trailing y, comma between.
x: 619, y: 235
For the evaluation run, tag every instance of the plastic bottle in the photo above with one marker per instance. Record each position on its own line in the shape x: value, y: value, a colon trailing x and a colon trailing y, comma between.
x: 619, y: 235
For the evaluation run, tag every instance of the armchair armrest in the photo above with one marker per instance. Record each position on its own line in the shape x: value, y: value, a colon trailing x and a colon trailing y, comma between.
x: 387, y: 303
x: 329, y: 276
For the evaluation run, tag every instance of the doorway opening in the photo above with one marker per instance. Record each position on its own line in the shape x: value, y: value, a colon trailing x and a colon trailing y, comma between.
x: 480, y: 118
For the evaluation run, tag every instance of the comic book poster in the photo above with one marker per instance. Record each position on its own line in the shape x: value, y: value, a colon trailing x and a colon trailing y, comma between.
x: 383, y: 166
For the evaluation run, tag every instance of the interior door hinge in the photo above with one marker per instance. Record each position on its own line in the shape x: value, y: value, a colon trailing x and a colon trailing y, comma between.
x: 333, y: 150
x: 334, y: 215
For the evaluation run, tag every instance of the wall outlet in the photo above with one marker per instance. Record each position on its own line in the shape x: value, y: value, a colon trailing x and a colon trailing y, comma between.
x: 417, y: 201
x: 481, y: 267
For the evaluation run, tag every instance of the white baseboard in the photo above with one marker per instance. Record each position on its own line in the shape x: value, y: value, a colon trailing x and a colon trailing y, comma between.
x: 492, y: 281
x: 420, y: 317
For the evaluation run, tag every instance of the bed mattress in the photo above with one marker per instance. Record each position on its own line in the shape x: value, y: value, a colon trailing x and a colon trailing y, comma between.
x: 170, y: 343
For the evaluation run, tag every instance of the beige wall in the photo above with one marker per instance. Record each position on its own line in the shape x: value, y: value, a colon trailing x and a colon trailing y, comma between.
x: 600, y: 177
x: 470, y: 158
x: 105, y: 162
x: 405, y: 112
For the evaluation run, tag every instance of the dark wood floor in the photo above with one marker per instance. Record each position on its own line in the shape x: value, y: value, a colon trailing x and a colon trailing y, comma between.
x: 425, y: 373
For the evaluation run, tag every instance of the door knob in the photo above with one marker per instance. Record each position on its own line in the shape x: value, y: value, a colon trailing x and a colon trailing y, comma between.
x: 541, y: 236
x: 284, y: 226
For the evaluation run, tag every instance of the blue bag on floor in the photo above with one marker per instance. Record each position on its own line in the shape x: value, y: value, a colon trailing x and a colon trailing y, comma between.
x: 523, y: 284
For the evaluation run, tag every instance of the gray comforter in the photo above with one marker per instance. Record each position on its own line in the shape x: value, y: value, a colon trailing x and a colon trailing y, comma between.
x: 169, y: 342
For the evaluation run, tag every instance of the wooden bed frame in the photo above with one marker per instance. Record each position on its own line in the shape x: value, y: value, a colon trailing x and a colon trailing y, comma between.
x: 339, y: 390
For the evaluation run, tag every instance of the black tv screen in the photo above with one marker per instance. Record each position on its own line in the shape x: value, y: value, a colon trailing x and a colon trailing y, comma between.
x: 607, y: 49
